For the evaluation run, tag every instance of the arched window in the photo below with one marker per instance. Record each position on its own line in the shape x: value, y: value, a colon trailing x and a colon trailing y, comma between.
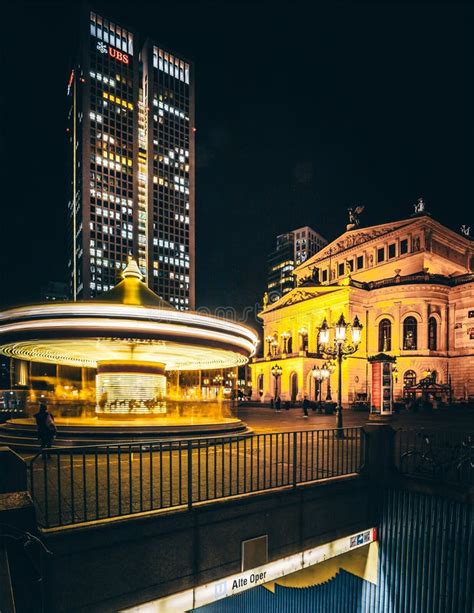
x: 289, y: 346
x: 410, y: 328
x: 409, y: 380
x: 260, y: 385
x: 304, y: 342
x: 432, y: 334
x: 385, y: 335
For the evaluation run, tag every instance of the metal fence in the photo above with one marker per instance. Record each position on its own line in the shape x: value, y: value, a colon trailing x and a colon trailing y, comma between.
x: 76, y: 485
x: 440, y: 455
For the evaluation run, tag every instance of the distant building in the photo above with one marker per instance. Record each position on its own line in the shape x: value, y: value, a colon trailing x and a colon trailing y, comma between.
x: 292, y: 249
x: 131, y: 135
x: 55, y: 291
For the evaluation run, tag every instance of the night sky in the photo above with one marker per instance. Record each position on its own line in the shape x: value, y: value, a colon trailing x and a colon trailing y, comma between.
x: 303, y: 110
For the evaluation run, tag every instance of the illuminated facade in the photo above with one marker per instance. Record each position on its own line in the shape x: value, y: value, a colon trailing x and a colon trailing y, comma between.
x: 292, y: 249
x: 131, y: 131
x: 410, y: 283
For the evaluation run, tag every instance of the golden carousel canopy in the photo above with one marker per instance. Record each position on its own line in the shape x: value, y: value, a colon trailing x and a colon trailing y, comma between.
x: 127, y: 323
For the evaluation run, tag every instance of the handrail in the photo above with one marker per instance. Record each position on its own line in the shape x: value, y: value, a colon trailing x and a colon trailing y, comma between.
x: 171, y: 441
x: 78, y: 484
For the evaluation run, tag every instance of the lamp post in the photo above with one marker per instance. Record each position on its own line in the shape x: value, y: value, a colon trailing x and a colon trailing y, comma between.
x: 331, y: 367
x: 319, y: 375
x: 340, y: 349
x: 233, y: 380
x: 269, y: 339
x: 316, y: 374
x: 303, y: 332
x: 285, y: 336
x: 276, y: 372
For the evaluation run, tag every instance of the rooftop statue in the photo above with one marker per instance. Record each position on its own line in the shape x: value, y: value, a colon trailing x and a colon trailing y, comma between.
x: 419, y: 206
x: 354, y: 213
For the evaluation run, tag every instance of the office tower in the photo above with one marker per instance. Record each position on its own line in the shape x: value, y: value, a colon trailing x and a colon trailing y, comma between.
x: 131, y: 130
x: 292, y: 249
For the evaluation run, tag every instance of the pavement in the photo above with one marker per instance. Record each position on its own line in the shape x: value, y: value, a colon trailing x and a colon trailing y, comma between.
x: 263, y: 419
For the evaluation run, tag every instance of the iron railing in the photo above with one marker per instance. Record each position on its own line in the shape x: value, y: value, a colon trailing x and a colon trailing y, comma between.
x: 440, y: 455
x: 76, y: 485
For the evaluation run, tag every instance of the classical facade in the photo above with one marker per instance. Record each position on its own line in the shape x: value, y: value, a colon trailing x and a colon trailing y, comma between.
x: 410, y: 283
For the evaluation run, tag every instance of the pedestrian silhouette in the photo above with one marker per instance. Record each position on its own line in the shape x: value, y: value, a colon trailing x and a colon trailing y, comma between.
x: 46, y: 426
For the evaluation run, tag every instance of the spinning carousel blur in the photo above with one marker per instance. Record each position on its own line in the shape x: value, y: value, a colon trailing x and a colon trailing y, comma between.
x: 127, y: 365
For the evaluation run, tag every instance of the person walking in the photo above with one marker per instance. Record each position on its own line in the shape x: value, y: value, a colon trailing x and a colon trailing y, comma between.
x: 278, y: 404
x: 46, y: 426
x: 305, y: 406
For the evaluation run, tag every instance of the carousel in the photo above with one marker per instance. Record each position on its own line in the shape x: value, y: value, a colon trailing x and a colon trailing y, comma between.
x: 141, y: 351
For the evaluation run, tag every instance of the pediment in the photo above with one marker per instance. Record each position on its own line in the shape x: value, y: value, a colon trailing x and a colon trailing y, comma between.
x: 301, y: 294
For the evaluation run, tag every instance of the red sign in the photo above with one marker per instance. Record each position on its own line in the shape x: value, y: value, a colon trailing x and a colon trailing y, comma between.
x: 376, y: 385
x: 118, y: 55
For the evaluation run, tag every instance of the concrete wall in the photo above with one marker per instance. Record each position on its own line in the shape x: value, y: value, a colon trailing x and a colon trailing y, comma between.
x: 111, y: 565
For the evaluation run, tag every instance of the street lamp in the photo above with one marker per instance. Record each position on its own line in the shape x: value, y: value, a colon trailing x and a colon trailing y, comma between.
x: 276, y: 372
x: 303, y: 332
x: 316, y: 374
x: 285, y: 336
x: 331, y: 367
x: 319, y: 375
x: 340, y: 349
x: 233, y: 380
x: 269, y: 339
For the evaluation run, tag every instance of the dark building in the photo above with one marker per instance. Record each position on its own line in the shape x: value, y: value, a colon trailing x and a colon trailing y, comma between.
x: 55, y: 291
x: 131, y: 118
x: 292, y: 249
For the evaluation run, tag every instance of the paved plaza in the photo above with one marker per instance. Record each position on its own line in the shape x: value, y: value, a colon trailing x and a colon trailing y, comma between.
x: 265, y: 419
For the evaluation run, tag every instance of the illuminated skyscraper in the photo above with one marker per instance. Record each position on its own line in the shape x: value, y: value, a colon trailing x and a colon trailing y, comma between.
x: 131, y: 130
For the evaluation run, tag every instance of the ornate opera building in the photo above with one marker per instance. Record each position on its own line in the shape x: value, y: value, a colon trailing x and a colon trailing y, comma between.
x: 411, y: 285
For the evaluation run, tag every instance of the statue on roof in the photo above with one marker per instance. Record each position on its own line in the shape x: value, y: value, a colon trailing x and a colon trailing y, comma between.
x: 466, y: 230
x: 419, y: 206
x: 354, y: 220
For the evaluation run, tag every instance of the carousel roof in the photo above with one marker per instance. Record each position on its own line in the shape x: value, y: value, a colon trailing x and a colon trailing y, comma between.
x: 132, y: 290
x: 129, y: 322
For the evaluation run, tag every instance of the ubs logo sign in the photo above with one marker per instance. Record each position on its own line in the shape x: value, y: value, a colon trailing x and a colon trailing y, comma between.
x: 115, y: 53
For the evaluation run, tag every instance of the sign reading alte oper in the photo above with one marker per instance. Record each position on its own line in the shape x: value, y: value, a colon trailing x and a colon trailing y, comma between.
x: 411, y: 285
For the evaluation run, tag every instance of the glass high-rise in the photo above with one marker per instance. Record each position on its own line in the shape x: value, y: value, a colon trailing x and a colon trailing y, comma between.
x: 131, y: 130
x: 292, y: 249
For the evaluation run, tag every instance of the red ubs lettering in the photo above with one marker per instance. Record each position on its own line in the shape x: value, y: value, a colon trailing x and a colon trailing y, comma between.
x: 118, y: 55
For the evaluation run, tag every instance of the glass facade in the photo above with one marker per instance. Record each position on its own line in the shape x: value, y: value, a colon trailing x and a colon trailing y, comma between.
x: 171, y: 184
x: 291, y: 250
x: 132, y: 125
x: 111, y: 152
